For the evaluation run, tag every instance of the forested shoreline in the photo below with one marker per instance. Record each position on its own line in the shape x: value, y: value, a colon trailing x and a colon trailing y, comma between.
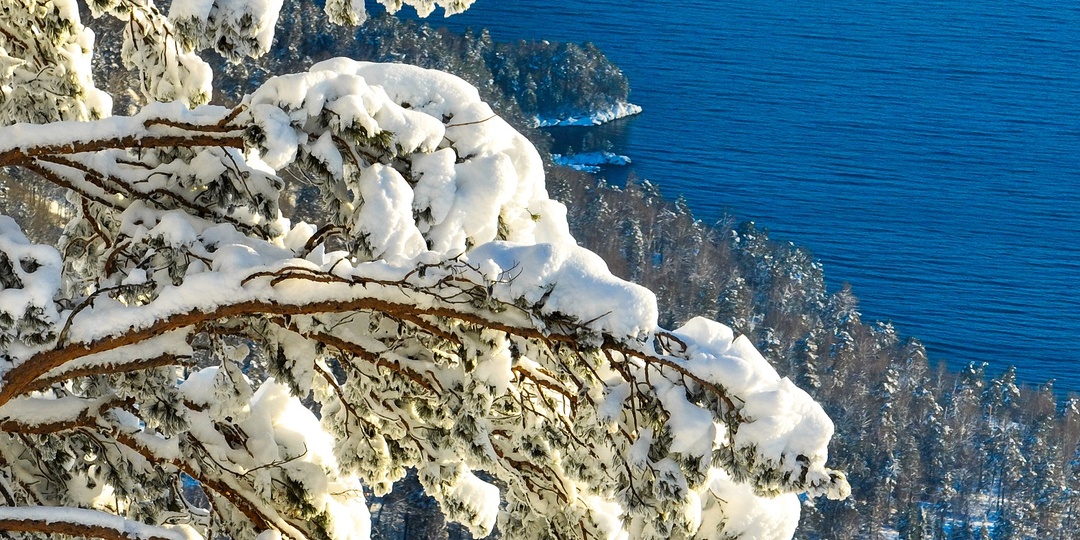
x: 930, y: 453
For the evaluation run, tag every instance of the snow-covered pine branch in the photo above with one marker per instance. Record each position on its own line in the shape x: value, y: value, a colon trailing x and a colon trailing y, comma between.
x: 442, y: 317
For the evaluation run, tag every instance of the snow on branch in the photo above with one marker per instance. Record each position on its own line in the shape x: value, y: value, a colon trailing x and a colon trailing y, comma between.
x: 83, y: 523
x: 353, y: 12
x: 45, y: 72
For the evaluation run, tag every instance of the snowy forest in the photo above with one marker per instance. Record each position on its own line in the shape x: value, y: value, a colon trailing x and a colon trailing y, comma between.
x: 928, y: 453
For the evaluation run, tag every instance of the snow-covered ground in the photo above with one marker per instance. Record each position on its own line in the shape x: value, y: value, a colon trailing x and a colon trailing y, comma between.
x: 590, y: 161
x: 594, y: 118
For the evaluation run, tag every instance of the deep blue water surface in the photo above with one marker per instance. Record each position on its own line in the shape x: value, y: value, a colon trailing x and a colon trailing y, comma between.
x: 927, y: 151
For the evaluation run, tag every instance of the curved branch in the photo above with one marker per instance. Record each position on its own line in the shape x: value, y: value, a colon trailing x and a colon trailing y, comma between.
x: 84, y: 416
x: 360, y: 352
x: 23, y: 378
x: 114, y: 190
x: 16, y: 156
x: 86, y: 371
x: 79, y: 522
x: 38, y: 168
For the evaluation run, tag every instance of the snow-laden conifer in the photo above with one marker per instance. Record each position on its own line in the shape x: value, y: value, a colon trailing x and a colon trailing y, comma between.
x: 154, y: 365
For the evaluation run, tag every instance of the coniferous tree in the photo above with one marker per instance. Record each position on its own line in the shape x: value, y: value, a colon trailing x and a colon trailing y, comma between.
x: 807, y: 362
x: 633, y: 248
x: 914, y: 525
x: 886, y: 441
x: 1006, y: 461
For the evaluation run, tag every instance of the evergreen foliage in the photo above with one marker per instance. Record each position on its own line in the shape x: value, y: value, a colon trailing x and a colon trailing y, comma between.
x: 186, y: 362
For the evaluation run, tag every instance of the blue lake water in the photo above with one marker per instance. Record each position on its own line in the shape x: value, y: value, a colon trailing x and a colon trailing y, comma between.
x: 926, y: 151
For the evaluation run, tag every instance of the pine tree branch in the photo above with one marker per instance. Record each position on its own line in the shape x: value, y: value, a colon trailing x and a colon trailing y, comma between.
x: 79, y: 522
x: 86, y: 416
x: 86, y: 419
x: 360, y: 352
x: 17, y: 156
x: 22, y: 378
x: 86, y: 371
x: 48, y: 174
x: 251, y: 509
x: 122, y: 189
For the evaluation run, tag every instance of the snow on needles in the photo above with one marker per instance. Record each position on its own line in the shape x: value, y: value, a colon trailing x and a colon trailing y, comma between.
x: 473, y: 178
x: 237, y: 28
x: 353, y: 12
x: 29, y: 282
x: 557, y: 277
x: 782, y: 421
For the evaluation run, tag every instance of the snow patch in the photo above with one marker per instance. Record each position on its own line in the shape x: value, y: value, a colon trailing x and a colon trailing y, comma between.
x: 556, y: 278
x: 590, y: 162
x: 744, y: 514
x: 595, y: 118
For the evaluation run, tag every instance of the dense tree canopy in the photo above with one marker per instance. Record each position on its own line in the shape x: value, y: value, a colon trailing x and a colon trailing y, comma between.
x: 189, y: 362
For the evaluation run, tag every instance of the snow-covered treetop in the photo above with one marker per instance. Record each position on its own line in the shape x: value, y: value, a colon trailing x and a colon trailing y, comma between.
x: 441, y: 317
